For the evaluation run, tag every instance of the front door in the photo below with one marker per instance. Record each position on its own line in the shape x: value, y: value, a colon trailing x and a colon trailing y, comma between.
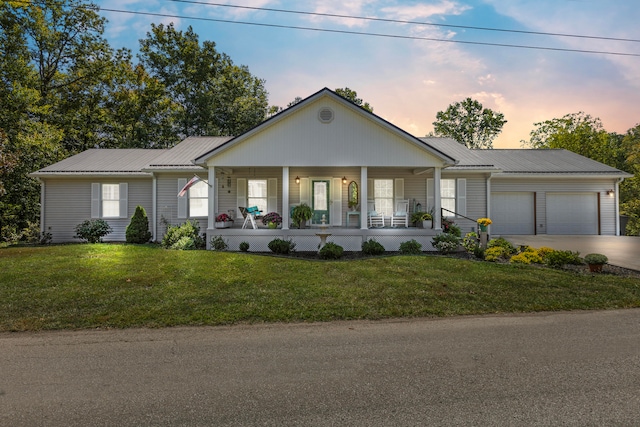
x: 320, y: 190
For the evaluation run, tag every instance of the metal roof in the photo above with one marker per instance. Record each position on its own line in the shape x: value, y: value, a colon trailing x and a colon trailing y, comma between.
x: 104, y: 161
x: 182, y: 155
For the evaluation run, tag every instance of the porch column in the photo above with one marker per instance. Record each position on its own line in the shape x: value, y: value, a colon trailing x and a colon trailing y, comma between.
x: 437, y: 196
x: 363, y: 197
x: 154, y: 207
x: 285, y: 197
x: 212, y: 197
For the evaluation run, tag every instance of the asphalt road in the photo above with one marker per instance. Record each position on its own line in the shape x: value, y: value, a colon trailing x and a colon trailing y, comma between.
x: 570, y: 369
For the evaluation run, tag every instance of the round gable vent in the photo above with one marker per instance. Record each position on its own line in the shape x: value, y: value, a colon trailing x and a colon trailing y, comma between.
x: 325, y: 115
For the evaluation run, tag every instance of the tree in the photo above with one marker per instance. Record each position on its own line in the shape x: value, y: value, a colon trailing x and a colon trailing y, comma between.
x: 138, y: 229
x: 469, y: 123
x: 215, y: 97
x: 352, y: 96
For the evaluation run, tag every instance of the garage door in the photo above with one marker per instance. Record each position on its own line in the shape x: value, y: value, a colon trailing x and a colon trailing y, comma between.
x: 512, y: 213
x: 572, y: 213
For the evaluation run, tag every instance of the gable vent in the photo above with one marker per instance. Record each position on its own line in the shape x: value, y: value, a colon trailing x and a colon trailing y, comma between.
x: 325, y: 115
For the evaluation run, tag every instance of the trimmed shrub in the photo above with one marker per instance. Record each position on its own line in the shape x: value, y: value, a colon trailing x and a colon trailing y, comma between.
x: 411, y: 247
x: 503, y: 243
x: 138, y: 229
x: 496, y: 253
x: 471, y: 242
x: 372, y: 247
x: 331, y: 251
x: 92, y: 230
x: 281, y: 246
x: 189, y: 229
x: 558, y: 258
x: 446, y: 242
x: 218, y: 243
x: 244, y: 246
x: 596, y: 259
x: 526, y: 257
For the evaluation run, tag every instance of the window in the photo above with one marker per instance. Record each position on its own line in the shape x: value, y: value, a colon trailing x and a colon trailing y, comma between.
x: 199, y: 199
x: 257, y: 194
x: 448, y: 196
x: 383, y: 195
x: 110, y: 200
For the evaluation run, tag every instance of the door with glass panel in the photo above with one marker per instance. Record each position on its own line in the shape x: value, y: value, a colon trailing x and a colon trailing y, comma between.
x: 320, y: 191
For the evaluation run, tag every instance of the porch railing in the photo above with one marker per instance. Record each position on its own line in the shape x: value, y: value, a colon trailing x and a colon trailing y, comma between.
x: 456, y: 214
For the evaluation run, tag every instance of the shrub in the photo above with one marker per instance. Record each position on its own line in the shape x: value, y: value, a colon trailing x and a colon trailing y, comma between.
x: 470, y: 242
x: 372, y: 247
x: 218, y: 243
x: 446, y: 242
x: 596, y: 259
x: 496, y: 253
x: 526, y: 257
x: 558, y: 258
x: 281, y: 246
x: 503, y: 243
x: 244, y: 246
x: 454, y: 230
x: 411, y: 247
x: 184, y: 243
x: 331, y: 251
x: 189, y: 229
x: 544, y: 251
x: 92, y: 230
x: 138, y: 229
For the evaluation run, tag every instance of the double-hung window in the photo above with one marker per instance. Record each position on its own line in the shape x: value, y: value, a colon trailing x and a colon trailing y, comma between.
x: 198, y: 200
x: 109, y: 200
x: 448, y: 196
x: 257, y: 194
x: 383, y: 195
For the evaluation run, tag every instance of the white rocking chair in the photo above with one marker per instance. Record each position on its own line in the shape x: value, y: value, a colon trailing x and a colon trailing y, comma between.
x: 401, y: 214
x: 375, y: 219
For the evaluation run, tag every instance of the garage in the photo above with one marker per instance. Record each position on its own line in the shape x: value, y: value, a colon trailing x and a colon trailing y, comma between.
x: 572, y: 213
x: 512, y: 213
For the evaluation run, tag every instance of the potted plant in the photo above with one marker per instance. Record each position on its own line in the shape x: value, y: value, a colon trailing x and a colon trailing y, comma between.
x: 483, y: 223
x: 595, y: 262
x: 352, y: 204
x: 301, y: 214
x: 423, y: 218
x: 272, y: 220
x: 223, y: 221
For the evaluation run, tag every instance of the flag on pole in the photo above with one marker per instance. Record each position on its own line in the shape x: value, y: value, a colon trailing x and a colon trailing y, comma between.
x: 188, y: 185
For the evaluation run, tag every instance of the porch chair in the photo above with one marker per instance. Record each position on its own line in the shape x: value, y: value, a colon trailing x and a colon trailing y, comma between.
x: 401, y: 214
x: 249, y: 215
x: 375, y: 219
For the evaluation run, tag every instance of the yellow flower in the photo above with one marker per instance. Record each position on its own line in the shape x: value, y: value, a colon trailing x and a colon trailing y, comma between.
x: 484, y: 221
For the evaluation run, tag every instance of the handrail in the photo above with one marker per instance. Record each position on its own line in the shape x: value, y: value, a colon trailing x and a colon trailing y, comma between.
x: 457, y: 214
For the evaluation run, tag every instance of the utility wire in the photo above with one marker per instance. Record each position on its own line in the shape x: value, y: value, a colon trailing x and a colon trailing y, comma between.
x: 395, y: 36
x: 399, y: 21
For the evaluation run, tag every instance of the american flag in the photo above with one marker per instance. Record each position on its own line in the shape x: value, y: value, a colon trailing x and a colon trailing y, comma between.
x: 188, y: 185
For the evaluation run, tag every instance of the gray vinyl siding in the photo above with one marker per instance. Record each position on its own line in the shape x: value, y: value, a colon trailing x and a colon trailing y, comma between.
x: 543, y: 186
x: 167, y: 199
x: 68, y: 203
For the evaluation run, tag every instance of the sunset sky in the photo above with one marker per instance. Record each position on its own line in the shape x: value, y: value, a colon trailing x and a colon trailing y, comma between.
x: 407, y: 71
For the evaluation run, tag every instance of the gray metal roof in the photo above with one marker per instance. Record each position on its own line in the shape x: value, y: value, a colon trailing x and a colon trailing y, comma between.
x: 103, y: 161
x: 182, y: 155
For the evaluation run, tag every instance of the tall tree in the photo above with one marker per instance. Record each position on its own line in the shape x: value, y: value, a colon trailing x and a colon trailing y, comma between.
x: 352, y: 96
x: 215, y: 96
x: 469, y: 123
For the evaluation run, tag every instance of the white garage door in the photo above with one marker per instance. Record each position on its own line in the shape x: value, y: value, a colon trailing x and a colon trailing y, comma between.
x: 572, y: 213
x: 512, y: 213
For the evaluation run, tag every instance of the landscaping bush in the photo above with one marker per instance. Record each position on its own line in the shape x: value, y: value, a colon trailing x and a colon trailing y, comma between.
x: 218, y: 243
x: 138, y: 229
x: 331, y: 251
x: 596, y: 259
x: 559, y: 258
x: 244, y: 246
x: 92, y: 230
x: 411, y: 247
x: 189, y: 229
x: 184, y: 243
x: 446, y: 242
x: 372, y: 247
x: 470, y: 242
x: 526, y: 257
x: 496, y: 253
x: 503, y: 243
x: 281, y: 246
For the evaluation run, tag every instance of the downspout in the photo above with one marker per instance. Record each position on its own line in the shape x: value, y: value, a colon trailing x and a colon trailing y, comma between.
x: 42, y: 197
x: 489, y: 197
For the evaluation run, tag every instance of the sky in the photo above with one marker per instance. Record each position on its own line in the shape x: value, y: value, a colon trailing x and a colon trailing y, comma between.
x: 409, y: 72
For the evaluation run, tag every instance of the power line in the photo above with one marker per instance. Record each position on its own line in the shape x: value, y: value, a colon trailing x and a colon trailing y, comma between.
x: 362, y: 33
x: 399, y: 21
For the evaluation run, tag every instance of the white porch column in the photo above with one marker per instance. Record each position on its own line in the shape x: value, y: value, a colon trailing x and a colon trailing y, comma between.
x: 363, y: 197
x: 285, y: 197
x: 212, y: 197
x: 437, y: 196
x: 489, y: 199
x: 154, y: 208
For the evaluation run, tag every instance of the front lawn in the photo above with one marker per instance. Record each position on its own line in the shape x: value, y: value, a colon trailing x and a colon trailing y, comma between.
x: 119, y: 286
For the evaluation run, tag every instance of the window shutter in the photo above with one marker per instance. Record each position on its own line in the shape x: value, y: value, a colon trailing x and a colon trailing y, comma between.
x: 336, y: 202
x: 431, y: 199
x: 370, y: 190
x: 182, y: 201
x: 461, y: 199
x: 272, y: 195
x: 95, y: 200
x: 305, y: 196
x: 124, y: 196
x: 241, y: 193
x: 398, y: 189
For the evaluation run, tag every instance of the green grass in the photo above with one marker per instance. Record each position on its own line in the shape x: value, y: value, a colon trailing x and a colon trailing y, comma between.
x: 121, y: 286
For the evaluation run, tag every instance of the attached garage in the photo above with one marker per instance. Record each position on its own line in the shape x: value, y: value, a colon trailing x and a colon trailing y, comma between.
x: 572, y: 213
x: 513, y: 213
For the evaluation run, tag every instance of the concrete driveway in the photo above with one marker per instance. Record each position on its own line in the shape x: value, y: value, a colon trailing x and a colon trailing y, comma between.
x: 623, y: 251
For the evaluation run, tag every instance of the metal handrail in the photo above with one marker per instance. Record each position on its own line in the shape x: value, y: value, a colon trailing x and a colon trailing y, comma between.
x: 457, y: 214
